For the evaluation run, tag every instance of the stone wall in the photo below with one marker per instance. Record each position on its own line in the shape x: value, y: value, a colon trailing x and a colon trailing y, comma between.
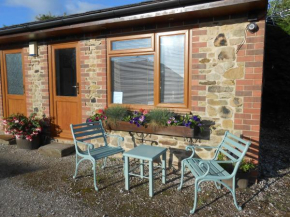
x: 36, y: 81
x: 93, y: 59
x: 227, y: 79
x: 225, y: 85
x: 226, y: 82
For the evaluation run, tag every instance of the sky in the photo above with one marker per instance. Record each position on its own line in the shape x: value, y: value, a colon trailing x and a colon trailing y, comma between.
x: 22, y: 11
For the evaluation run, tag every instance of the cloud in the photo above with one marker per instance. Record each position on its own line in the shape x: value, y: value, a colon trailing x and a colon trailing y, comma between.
x: 38, y: 6
x: 74, y: 7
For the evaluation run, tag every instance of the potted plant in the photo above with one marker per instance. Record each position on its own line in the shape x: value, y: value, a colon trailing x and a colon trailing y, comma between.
x: 244, y: 173
x: 25, y: 129
x: 156, y: 121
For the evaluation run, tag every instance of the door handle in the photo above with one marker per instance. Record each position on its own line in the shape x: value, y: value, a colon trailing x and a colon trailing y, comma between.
x: 77, y: 87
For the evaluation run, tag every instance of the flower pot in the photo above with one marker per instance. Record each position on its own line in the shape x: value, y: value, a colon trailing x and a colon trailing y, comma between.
x: 242, y: 180
x: 26, y: 144
x: 180, y: 131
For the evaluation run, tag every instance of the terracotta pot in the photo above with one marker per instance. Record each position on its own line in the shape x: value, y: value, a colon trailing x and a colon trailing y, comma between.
x: 171, y: 131
x: 26, y: 144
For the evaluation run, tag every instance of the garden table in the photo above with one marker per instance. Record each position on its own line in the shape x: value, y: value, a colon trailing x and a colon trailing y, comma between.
x: 145, y: 153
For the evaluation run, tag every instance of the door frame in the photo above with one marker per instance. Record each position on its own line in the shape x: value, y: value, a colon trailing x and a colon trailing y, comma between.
x: 51, y: 76
x: 4, y: 84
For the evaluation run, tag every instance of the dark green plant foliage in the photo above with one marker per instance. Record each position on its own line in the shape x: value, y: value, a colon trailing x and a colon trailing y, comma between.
x: 116, y: 113
x: 42, y: 17
x: 282, y: 22
x: 247, y: 166
x: 159, y: 117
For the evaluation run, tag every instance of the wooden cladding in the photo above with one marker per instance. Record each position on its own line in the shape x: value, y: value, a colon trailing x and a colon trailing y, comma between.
x: 149, y: 76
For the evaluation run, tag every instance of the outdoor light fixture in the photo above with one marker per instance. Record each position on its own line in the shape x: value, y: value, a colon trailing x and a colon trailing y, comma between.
x: 33, y: 48
x: 253, y: 27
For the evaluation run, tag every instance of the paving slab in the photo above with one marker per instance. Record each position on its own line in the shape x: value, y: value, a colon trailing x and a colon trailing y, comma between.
x: 7, y: 140
x: 57, y: 149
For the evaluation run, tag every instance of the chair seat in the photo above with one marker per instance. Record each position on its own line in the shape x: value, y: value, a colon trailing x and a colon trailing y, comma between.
x: 214, y: 168
x: 103, y: 151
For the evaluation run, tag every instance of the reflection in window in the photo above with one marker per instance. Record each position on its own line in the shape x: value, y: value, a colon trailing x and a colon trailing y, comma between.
x: 133, y: 79
x: 172, y: 69
x: 131, y: 44
x: 66, y: 74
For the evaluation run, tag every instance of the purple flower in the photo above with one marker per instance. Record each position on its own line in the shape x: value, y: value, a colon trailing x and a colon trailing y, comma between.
x: 199, y: 125
x: 142, y: 118
x: 195, y: 118
x: 90, y: 120
x: 138, y: 125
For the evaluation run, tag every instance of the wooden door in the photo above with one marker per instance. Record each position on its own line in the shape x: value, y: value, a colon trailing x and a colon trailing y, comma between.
x: 65, y: 102
x: 13, y: 82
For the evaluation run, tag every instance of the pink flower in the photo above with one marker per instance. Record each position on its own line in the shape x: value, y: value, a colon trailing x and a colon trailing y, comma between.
x: 168, y: 122
x: 18, y: 136
x: 4, y: 122
x: 7, y: 132
x: 16, y: 121
x: 38, y: 129
x: 145, y: 112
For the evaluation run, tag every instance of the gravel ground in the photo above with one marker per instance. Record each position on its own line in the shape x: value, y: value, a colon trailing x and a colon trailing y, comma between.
x: 35, y: 185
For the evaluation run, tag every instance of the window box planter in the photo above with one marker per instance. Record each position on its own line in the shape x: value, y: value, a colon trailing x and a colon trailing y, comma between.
x: 179, y: 131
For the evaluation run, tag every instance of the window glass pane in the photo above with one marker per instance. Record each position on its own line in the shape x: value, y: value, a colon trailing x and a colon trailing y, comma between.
x: 14, y: 73
x: 133, y: 79
x: 172, y: 69
x: 65, y: 70
x: 131, y: 44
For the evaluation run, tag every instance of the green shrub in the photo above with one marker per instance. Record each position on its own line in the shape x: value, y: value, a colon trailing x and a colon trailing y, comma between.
x: 247, y: 166
x: 159, y: 117
x: 116, y: 113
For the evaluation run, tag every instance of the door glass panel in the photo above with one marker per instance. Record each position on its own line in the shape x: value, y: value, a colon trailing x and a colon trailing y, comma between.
x: 172, y: 69
x: 14, y: 73
x: 133, y: 79
x: 65, y: 71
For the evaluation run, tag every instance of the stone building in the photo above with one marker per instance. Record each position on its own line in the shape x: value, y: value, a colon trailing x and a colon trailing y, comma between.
x: 208, y: 46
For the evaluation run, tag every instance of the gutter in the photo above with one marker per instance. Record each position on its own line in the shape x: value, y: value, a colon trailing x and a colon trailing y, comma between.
x: 100, y: 15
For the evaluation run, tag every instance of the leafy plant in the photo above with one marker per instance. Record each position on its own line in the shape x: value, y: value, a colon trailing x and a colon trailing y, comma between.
x: 191, y: 121
x: 100, y: 115
x: 139, y: 117
x: 116, y: 113
x: 247, y: 166
x: 23, y: 127
x: 280, y: 13
x: 159, y: 117
x: 42, y: 17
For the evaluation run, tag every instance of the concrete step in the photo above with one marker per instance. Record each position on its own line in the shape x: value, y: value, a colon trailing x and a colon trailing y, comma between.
x: 7, y: 140
x: 57, y: 149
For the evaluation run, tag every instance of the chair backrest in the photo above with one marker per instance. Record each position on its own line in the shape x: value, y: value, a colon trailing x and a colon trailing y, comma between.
x: 234, y: 148
x: 88, y: 131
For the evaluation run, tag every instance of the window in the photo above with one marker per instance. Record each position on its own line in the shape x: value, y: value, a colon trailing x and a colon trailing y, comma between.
x: 149, y: 70
x: 14, y: 74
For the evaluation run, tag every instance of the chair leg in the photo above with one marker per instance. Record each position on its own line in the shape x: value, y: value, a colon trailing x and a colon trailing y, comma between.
x: 182, y: 176
x: 234, y: 194
x: 95, y: 180
x: 104, y: 163
x: 77, y: 166
x: 218, y: 186
x: 195, y: 197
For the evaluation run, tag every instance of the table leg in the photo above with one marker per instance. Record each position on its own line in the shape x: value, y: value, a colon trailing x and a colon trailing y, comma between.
x: 164, y: 168
x: 127, y: 177
x: 151, y: 179
x: 142, y: 168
